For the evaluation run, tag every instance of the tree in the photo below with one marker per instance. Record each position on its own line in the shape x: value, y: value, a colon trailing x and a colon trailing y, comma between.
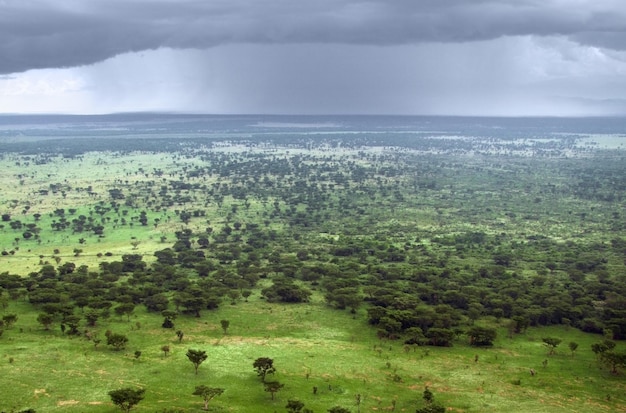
x: 192, y: 303
x: 294, y: 406
x: 165, y: 349
x: 196, y: 357
x: 264, y: 366
x: 207, y: 394
x: 481, y: 336
x: 614, y: 360
x: 225, y: 324
x: 45, y: 320
x: 441, y: 337
x: 273, y: 387
x: 117, y: 341
x: 573, y: 346
x: 125, y: 309
x: 428, y: 395
x: 92, y: 317
x: 157, y: 302
x: 127, y: 397
x: 603, y: 346
x: 9, y: 319
x: 72, y: 322
x: 168, y: 318
x: 552, y: 343
x: 431, y: 406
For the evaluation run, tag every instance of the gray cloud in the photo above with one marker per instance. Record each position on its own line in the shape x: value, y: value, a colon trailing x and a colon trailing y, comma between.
x: 53, y: 34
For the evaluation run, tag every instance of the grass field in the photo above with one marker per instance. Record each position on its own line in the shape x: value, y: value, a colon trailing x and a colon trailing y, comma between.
x: 312, y: 346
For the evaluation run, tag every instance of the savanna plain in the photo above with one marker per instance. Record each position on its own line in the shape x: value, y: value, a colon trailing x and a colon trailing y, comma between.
x: 325, y: 273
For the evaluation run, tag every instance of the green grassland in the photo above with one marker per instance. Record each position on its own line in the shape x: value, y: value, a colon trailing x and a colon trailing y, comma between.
x: 423, y: 225
x: 311, y: 346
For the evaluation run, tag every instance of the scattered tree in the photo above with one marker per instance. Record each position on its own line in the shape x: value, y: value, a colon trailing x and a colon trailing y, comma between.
x: 428, y: 395
x: 126, y: 398
x: 431, y: 406
x: 168, y: 319
x: 117, y: 341
x: 125, y: 309
x: 603, y: 346
x: 552, y: 343
x: 165, y: 349
x: 196, y: 357
x: 9, y: 320
x: 273, y: 387
x: 45, y: 320
x: 225, y: 324
x: 613, y: 360
x: 294, y: 406
x: 264, y: 366
x: 72, y: 321
x: 207, y: 394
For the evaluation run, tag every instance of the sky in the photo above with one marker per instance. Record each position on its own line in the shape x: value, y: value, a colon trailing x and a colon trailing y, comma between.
x: 409, y: 57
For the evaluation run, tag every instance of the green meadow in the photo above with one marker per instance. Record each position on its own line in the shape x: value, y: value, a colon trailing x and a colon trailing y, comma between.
x: 312, y: 346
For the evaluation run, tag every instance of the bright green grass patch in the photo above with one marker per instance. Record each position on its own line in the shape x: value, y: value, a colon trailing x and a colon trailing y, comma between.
x: 312, y: 346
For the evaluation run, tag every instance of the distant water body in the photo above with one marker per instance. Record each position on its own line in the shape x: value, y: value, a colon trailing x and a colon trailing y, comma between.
x: 41, y: 127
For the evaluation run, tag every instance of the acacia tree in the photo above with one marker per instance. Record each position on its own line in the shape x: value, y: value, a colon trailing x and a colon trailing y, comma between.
x: 552, y: 343
x: 613, y: 360
x: 117, y: 341
x: 481, y: 336
x: 9, y: 319
x: 196, y: 357
x: 165, y: 349
x: 72, y: 321
x: 207, y: 393
x: 264, y: 366
x: 45, y: 320
x: 127, y: 397
x: 273, y: 387
x: 125, y: 309
x: 225, y: 324
x: 294, y: 406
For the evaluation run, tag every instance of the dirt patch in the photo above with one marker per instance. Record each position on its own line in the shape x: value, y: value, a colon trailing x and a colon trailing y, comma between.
x: 40, y: 392
x: 67, y: 403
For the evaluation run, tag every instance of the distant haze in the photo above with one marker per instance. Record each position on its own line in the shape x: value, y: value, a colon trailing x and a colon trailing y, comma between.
x: 457, y: 57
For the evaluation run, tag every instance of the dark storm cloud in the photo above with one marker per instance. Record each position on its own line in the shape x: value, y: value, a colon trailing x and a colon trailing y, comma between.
x: 47, y: 33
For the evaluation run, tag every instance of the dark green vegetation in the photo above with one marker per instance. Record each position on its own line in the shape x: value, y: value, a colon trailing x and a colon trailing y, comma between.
x: 339, y: 270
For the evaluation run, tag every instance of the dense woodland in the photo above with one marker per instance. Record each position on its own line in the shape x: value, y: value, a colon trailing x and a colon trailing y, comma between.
x: 420, y: 238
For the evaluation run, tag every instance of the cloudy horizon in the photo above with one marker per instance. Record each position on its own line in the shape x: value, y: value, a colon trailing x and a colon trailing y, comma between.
x: 422, y: 57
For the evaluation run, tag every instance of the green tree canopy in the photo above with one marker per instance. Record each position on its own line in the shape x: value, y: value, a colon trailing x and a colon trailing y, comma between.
x: 552, y: 343
x: 207, y: 393
x: 126, y: 398
x: 117, y: 341
x: 196, y: 357
x: 481, y: 336
x: 263, y: 367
